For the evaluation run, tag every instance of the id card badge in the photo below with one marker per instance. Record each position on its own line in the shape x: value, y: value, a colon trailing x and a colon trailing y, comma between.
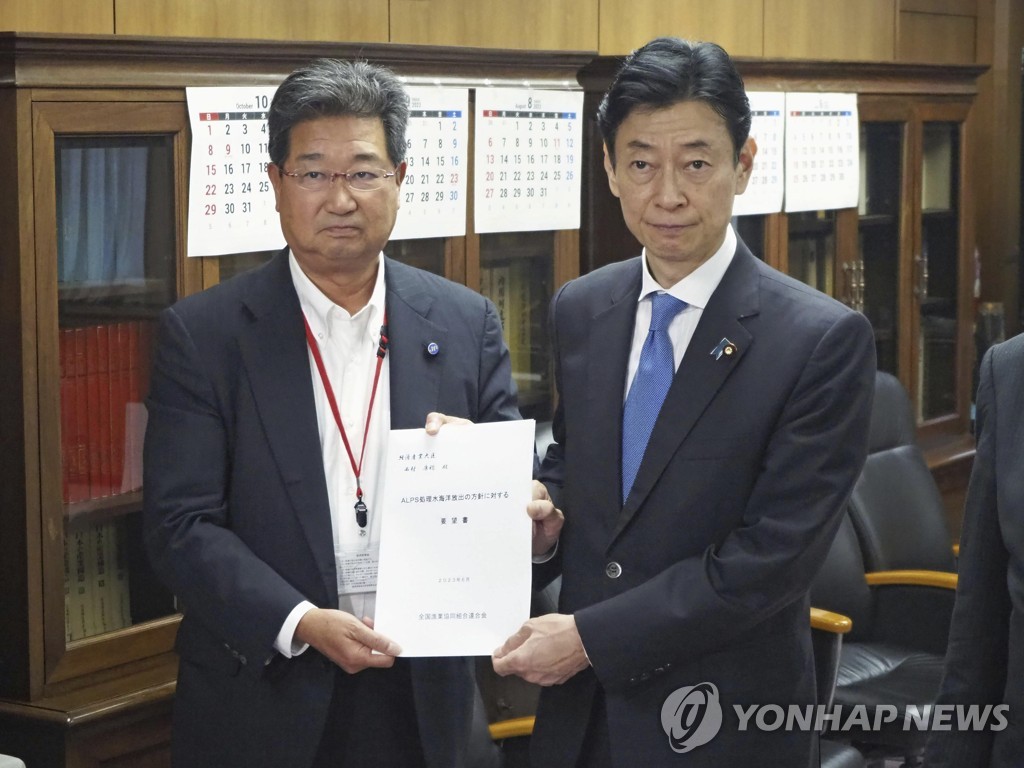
x: 357, y: 570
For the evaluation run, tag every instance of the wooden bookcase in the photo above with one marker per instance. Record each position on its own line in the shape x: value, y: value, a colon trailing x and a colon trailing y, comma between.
x: 75, y: 321
x: 905, y: 258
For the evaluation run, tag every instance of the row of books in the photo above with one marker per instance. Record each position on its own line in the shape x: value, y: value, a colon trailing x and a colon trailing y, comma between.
x: 508, y: 284
x: 96, y: 583
x: 104, y: 376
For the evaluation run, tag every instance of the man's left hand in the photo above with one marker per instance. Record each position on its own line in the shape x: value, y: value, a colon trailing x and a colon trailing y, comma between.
x: 546, y: 650
x: 547, y: 520
x: 437, y: 420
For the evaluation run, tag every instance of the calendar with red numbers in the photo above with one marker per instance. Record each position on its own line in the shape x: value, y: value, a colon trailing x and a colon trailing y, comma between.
x: 767, y: 180
x: 433, y: 195
x: 527, y: 159
x: 822, y: 151
x: 231, y: 204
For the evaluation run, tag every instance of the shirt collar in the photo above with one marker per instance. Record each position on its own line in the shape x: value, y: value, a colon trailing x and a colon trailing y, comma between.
x: 696, y: 288
x: 320, y: 310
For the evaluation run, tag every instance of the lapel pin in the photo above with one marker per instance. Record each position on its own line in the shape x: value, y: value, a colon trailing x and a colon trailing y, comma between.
x: 433, y: 349
x: 725, y: 347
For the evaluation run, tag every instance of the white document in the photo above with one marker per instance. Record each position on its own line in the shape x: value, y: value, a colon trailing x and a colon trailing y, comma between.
x: 455, y: 564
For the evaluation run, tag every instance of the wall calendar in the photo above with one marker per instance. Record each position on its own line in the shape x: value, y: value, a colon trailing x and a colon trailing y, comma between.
x: 822, y: 151
x: 765, y: 189
x: 231, y: 201
x: 527, y: 159
x: 433, y: 195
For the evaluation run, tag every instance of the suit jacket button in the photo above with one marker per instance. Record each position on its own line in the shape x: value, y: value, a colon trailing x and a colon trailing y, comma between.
x: 613, y: 570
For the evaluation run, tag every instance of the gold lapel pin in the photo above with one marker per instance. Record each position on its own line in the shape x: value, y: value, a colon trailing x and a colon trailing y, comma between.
x: 724, y: 347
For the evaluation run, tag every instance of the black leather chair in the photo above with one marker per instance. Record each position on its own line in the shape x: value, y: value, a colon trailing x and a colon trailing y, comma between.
x: 890, y: 570
x: 827, y: 631
x: 896, y: 507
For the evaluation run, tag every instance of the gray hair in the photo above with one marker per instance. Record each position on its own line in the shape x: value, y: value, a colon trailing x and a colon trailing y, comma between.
x: 333, y: 88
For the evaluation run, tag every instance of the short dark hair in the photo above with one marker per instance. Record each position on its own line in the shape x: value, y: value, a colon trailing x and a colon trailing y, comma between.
x: 333, y: 88
x: 667, y: 71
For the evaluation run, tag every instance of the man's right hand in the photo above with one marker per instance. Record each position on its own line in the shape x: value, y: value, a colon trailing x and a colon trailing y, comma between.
x: 346, y: 640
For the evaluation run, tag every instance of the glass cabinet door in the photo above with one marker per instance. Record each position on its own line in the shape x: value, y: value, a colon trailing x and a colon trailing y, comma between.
x: 812, y: 248
x: 937, y: 281
x: 108, y: 211
x: 115, y: 271
x: 873, y: 278
x: 751, y: 230
x: 516, y: 273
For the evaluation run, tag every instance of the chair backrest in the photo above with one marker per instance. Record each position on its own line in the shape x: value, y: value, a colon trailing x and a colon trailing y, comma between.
x: 896, y: 507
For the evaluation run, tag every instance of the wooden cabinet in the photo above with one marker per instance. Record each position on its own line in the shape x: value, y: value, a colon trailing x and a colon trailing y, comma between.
x: 904, y: 257
x: 94, y: 142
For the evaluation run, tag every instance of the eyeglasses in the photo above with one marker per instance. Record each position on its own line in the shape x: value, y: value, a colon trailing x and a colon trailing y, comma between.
x: 359, y: 179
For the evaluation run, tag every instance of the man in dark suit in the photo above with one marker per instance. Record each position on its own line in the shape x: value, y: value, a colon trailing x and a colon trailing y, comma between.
x: 712, y: 420
x: 272, y: 396
x: 984, y: 660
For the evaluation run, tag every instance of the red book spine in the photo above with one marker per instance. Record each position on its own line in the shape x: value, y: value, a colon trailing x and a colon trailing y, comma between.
x: 92, y: 383
x: 118, y: 403
x: 66, y: 349
x: 79, y: 479
x: 133, y: 441
x: 103, y: 382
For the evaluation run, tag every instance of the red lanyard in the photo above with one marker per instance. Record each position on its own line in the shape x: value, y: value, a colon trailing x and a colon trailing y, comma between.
x: 382, y: 350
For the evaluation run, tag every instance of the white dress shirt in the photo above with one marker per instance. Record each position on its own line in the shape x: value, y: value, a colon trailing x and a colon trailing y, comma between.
x: 348, y: 345
x: 695, y: 289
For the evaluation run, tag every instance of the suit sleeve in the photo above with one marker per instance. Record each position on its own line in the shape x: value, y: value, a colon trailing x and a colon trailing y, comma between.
x: 976, y: 658
x: 238, y: 598
x: 765, y: 564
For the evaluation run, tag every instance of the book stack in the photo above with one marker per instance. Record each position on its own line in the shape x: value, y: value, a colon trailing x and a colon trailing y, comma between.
x: 104, y: 376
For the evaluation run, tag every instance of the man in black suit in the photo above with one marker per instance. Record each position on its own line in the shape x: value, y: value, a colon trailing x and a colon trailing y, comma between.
x: 984, y: 660
x: 272, y: 396
x: 712, y: 420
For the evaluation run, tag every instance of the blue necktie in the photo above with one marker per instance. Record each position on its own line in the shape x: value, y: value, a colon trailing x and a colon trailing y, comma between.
x: 650, y: 385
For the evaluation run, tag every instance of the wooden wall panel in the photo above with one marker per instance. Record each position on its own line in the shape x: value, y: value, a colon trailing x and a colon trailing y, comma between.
x: 948, y: 7
x: 81, y: 17
x: 830, y: 29
x: 736, y: 25
x: 936, y: 38
x: 997, y: 145
x: 568, y: 25
x: 341, y: 20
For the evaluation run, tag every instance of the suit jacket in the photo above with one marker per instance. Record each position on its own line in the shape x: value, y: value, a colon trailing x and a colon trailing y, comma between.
x: 237, y: 520
x: 702, y: 575
x: 985, y: 656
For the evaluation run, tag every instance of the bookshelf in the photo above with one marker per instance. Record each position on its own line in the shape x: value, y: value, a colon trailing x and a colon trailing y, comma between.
x: 94, y: 142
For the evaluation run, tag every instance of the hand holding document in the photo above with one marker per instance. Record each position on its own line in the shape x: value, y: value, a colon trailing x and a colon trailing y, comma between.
x: 455, y: 565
